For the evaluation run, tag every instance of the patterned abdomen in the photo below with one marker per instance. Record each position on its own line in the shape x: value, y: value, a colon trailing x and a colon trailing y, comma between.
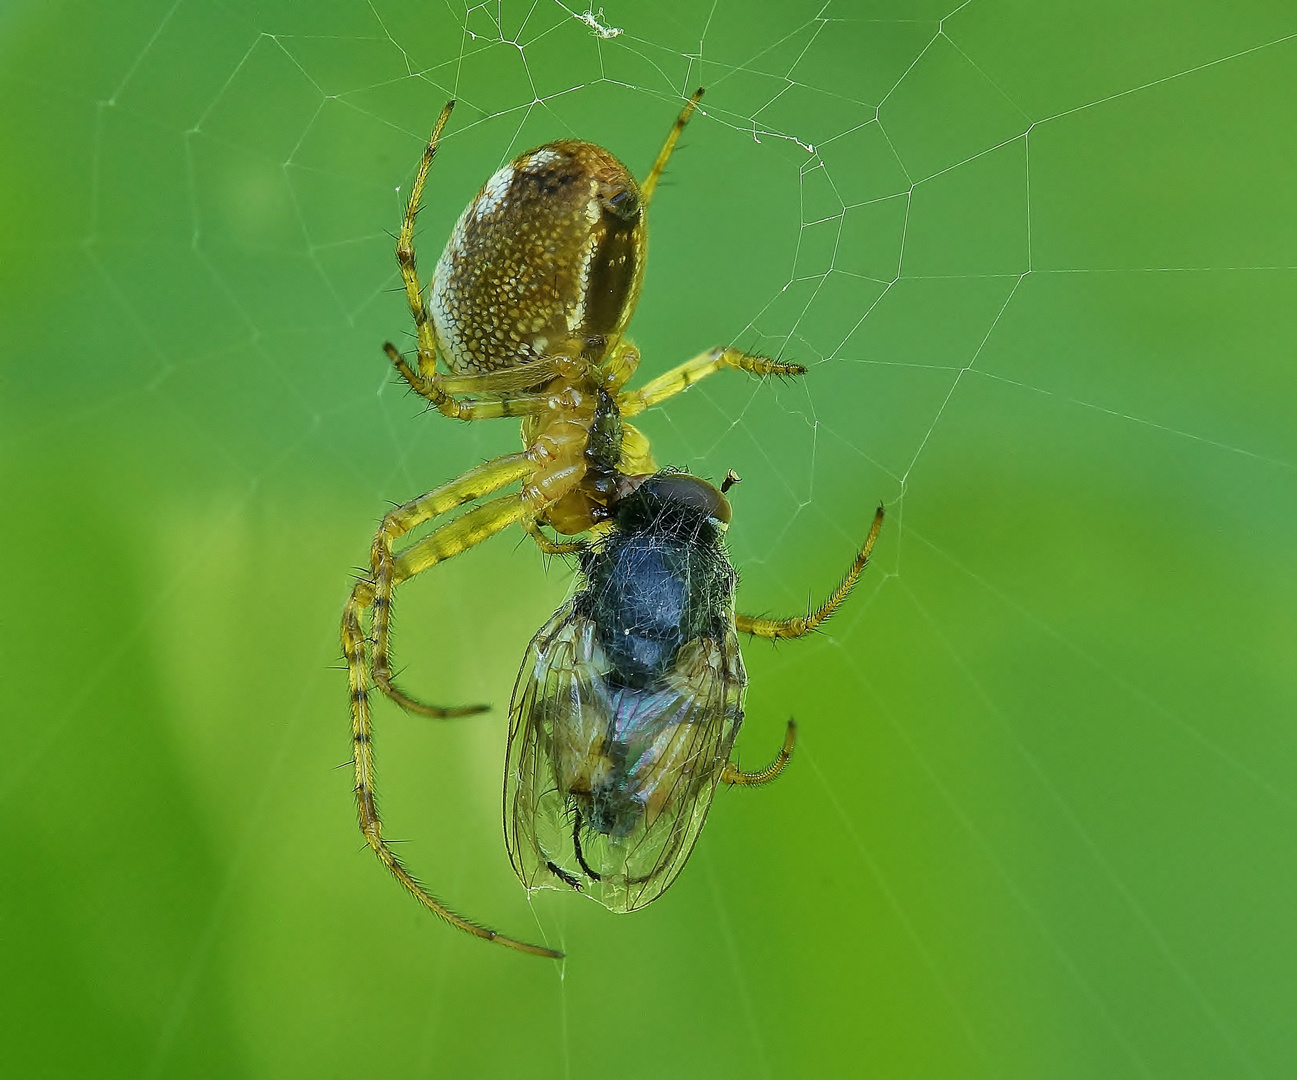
x: 546, y: 260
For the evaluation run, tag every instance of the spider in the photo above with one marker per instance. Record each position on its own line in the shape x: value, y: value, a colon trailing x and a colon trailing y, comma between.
x: 527, y: 309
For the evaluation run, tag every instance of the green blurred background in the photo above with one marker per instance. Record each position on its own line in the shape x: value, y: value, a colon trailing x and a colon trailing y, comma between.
x: 1042, y: 262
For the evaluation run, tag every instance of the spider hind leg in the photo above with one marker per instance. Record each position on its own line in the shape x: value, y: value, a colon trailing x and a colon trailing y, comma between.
x: 375, y: 591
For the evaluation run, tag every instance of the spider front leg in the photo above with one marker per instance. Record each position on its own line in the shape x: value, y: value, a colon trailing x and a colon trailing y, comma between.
x: 664, y: 155
x: 405, y: 251
x: 631, y: 402
x: 774, y: 629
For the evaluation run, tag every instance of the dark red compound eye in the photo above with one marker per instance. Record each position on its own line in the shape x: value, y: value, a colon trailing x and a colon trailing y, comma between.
x: 693, y: 492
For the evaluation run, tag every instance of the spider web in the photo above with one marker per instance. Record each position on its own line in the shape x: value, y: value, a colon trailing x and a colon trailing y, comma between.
x: 1040, y: 264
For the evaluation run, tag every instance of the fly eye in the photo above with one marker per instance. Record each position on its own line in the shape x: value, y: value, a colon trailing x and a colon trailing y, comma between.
x: 681, y: 489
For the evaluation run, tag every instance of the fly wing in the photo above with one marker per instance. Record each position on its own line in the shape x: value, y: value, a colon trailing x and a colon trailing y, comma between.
x: 679, y: 736
x: 547, y: 690
x: 660, y: 749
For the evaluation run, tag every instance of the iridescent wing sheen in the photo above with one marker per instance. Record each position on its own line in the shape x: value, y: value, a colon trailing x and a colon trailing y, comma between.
x: 662, y: 747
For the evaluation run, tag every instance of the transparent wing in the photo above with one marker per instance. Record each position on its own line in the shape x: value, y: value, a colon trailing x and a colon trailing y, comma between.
x: 654, y: 753
x: 532, y: 801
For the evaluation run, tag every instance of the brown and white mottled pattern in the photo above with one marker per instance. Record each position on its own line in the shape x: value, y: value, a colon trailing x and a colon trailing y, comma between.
x: 544, y: 261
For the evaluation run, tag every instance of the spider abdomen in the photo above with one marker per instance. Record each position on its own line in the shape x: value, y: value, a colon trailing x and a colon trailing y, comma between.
x: 546, y: 260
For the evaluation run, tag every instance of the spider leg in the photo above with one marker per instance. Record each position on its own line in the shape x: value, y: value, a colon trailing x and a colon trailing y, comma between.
x: 651, y: 181
x: 454, y: 538
x: 548, y: 546
x: 405, y: 251
x: 466, y: 531
x: 442, y: 389
x: 733, y: 775
x: 376, y: 590
x: 526, y: 376
x: 631, y: 402
x: 506, y: 404
x: 618, y: 367
x: 371, y: 825
x: 805, y: 624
